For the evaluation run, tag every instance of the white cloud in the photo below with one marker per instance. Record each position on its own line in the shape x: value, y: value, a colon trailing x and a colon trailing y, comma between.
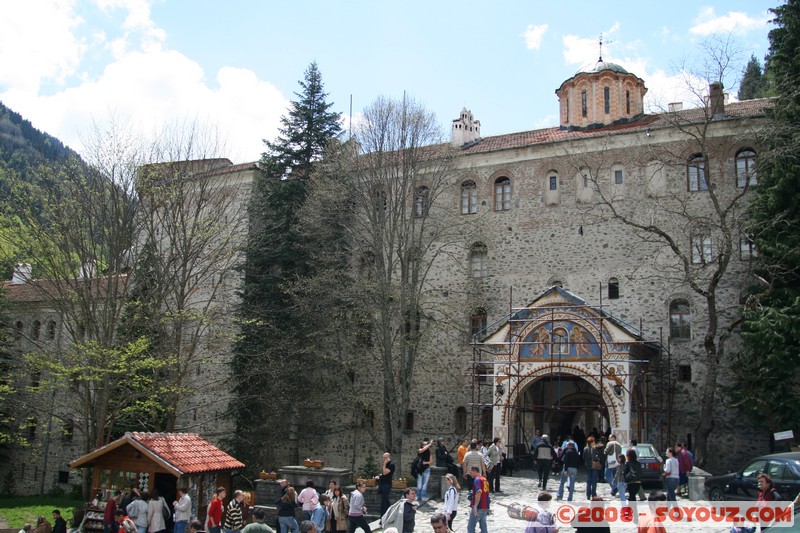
x: 38, y: 43
x: 143, y: 84
x: 533, y: 36
x: 585, y: 51
x: 708, y: 22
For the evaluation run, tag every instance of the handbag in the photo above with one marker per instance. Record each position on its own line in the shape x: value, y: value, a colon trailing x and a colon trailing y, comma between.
x: 165, y: 510
x: 597, y: 465
x: 341, y: 523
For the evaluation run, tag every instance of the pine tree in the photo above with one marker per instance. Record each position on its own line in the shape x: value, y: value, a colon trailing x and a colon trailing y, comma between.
x: 271, y: 365
x: 770, y: 359
x: 754, y: 81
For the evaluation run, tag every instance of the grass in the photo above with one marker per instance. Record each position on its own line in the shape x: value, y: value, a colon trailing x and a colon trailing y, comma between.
x: 21, y: 510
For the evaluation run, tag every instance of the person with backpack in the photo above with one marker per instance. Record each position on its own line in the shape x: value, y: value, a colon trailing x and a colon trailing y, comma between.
x: 451, y: 499
x: 612, y: 450
x: 125, y: 524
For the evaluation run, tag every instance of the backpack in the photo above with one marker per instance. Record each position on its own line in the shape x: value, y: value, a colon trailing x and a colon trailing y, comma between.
x: 416, y: 466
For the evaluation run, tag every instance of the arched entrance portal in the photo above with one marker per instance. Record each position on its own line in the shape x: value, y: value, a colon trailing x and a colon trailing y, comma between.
x: 556, y: 404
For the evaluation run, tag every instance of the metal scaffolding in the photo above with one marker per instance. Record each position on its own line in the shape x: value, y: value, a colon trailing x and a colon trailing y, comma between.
x: 652, y: 376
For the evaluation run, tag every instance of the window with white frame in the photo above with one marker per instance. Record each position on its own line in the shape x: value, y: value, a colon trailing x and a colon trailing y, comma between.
x: 747, y: 247
x: 702, y: 249
x: 469, y: 198
x: 479, y: 260
x: 696, y: 173
x: 680, y: 319
x: 746, y: 168
x: 502, y: 194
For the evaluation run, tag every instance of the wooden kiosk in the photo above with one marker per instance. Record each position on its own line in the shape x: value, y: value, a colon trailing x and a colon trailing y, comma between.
x: 162, y: 461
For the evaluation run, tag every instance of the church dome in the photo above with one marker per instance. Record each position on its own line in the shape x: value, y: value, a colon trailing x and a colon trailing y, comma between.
x: 599, y: 95
x: 605, y: 65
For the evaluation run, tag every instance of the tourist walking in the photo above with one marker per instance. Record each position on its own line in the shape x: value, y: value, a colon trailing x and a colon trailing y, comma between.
x: 215, y: 509
x: 633, y: 475
x: 571, y: 461
x: 339, y: 507
x: 592, y: 460
x: 612, y: 450
x: 473, y: 458
x: 358, y: 509
x: 308, y: 498
x: 183, y: 511
x: 155, y: 513
x: 137, y: 511
x: 619, y: 479
x: 451, y: 499
x: 286, y: 511
x: 495, y: 454
x: 685, y: 465
x: 234, y: 521
x: 479, y: 501
x: 671, y: 474
x: 544, y: 454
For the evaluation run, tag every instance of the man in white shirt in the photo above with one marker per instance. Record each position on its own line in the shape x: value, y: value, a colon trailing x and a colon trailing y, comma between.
x: 183, y: 511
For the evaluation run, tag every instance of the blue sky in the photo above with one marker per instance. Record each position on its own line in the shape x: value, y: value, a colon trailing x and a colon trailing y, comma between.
x: 66, y: 64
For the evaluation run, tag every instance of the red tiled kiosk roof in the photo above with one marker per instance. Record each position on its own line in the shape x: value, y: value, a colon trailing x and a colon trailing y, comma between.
x: 181, y: 453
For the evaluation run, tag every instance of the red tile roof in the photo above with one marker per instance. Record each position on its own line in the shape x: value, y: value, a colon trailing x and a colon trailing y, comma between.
x: 187, y: 452
x: 748, y: 108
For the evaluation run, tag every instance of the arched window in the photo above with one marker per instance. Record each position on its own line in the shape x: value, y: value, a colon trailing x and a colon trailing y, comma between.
x: 696, y: 173
x: 746, y: 168
x: 552, y: 182
x: 421, y: 202
x: 628, y: 102
x: 607, y: 100
x: 368, y: 420
x: 680, y: 320
x: 51, y: 330
x: 18, y: 330
x: 36, y: 330
x: 702, y: 248
x: 461, y: 420
x: 477, y: 322
x: 613, y: 288
x: 479, y: 260
x: 469, y: 198
x: 502, y: 194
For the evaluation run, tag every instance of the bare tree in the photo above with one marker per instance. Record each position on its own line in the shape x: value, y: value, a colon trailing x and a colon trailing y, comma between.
x: 688, y: 214
x: 376, y: 203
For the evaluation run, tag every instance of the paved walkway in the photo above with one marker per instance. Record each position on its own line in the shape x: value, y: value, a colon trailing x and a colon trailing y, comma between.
x: 522, y: 489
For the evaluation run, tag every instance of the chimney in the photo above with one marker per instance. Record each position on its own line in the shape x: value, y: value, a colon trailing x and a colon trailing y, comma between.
x: 675, y: 106
x: 716, y: 100
x: 466, y: 130
x: 22, y: 273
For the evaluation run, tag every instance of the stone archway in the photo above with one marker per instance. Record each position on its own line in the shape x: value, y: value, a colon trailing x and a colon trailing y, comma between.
x: 555, y: 404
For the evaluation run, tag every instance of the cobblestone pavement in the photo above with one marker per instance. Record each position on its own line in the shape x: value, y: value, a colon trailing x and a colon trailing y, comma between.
x: 522, y: 489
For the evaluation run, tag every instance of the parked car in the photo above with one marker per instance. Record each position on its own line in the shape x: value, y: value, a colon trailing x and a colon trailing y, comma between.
x: 743, y: 485
x: 652, y: 463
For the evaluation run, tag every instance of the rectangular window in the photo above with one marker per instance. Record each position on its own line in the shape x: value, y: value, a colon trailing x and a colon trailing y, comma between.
x: 583, y: 104
x: 617, y: 177
x: 702, y: 251
x: 607, y: 100
x: 747, y: 248
x: 684, y: 373
x: 553, y: 183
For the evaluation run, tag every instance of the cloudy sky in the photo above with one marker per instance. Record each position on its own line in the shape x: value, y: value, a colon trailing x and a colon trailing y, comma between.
x: 66, y: 64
